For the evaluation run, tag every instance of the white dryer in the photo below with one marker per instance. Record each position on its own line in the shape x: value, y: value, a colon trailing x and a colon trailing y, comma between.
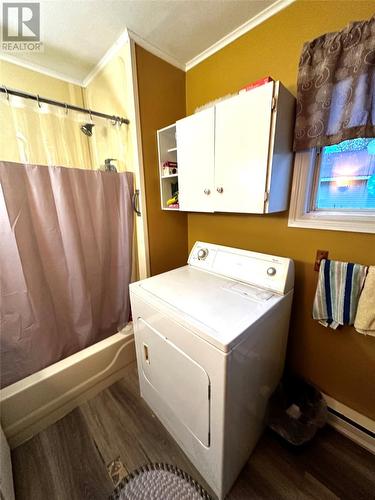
x: 211, y: 340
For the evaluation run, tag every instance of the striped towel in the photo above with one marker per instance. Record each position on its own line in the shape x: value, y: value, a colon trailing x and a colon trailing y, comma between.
x: 337, y: 292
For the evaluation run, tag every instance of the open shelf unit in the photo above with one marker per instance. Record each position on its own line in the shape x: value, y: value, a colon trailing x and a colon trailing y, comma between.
x: 169, y: 176
x: 167, y: 151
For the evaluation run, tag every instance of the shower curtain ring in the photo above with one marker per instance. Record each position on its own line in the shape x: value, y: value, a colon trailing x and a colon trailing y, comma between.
x: 113, y: 120
x: 37, y: 99
x: 66, y: 108
x: 90, y: 115
x: 6, y: 92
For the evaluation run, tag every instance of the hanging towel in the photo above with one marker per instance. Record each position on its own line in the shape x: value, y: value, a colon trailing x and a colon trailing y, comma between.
x: 365, y: 319
x: 337, y: 292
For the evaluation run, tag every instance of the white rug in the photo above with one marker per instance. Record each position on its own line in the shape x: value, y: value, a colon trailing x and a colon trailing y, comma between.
x: 159, y: 482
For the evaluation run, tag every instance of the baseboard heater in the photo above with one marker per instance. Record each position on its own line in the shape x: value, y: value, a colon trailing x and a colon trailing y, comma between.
x: 351, y: 424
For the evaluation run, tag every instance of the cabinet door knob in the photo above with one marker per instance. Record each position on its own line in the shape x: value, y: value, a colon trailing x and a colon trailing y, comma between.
x: 207, y: 191
x: 219, y: 190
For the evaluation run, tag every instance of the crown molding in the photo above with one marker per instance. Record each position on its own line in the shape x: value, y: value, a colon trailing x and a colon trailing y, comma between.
x: 39, y: 69
x: 129, y: 34
x: 156, y: 51
x: 119, y: 43
x: 241, y: 30
x: 111, y: 52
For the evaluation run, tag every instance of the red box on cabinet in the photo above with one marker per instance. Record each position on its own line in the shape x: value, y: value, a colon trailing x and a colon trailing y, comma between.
x: 257, y: 83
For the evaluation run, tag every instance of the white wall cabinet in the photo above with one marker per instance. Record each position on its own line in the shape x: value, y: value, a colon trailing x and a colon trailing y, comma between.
x: 242, y: 136
x: 237, y: 155
x: 195, y: 157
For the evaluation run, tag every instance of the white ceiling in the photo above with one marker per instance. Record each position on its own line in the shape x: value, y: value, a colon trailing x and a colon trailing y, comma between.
x: 77, y: 33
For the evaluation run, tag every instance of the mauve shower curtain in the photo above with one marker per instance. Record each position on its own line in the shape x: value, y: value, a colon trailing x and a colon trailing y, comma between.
x: 65, y: 254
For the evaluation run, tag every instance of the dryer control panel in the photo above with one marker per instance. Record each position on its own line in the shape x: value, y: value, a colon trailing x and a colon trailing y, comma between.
x: 262, y: 270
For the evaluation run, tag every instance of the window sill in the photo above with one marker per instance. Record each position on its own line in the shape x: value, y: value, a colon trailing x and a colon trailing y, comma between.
x: 360, y: 226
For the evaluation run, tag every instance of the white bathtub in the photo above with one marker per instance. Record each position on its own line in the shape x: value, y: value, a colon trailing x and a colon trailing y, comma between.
x: 35, y: 402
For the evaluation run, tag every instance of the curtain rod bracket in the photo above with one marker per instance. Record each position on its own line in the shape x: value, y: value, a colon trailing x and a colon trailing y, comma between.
x: 6, y: 92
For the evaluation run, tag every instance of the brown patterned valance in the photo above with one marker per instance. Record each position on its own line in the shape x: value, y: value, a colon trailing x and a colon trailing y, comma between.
x: 336, y: 87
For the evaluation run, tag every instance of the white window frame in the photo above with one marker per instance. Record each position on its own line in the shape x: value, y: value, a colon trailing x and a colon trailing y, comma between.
x: 300, y: 212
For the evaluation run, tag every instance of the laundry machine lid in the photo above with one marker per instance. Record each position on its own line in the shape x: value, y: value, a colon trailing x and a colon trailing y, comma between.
x: 219, y: 309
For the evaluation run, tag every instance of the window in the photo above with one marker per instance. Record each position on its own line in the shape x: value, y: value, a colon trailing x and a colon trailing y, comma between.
x: 334, y: 188
x: 346, y: 178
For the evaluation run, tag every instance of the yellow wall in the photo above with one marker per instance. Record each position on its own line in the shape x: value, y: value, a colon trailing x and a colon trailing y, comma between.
x: 162, y: 101
x: 341, y: 363
x: 161, y: 89
x: 14, y: 76
x: 42, y: 138
x: 111, y: 92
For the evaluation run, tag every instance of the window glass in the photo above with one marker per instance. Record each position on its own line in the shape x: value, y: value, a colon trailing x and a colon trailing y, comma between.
x: 347, y: 176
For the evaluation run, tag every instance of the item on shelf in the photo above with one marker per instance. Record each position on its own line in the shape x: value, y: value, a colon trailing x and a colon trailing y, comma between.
x: 173, y: 200
x: 212, y: 103
x: 257, y: 83
x: 174, y: 188
x: 169, y: 168
x: 174, y: 205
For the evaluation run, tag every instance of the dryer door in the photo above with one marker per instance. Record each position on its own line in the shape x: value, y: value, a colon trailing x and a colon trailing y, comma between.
x: 180, y: 382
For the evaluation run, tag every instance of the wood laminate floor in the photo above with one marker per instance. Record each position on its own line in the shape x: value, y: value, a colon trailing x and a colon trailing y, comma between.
x: 115, y: 430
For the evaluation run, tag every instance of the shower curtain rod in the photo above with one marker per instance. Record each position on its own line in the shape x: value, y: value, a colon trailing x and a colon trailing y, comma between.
x: 60, y: 104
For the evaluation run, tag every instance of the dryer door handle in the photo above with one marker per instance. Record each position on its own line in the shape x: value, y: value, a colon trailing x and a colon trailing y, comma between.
x: 146, y: 353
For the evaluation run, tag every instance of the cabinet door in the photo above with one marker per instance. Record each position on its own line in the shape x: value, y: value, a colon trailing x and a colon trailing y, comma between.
x: 243, y: 125
x: 195, y: 158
